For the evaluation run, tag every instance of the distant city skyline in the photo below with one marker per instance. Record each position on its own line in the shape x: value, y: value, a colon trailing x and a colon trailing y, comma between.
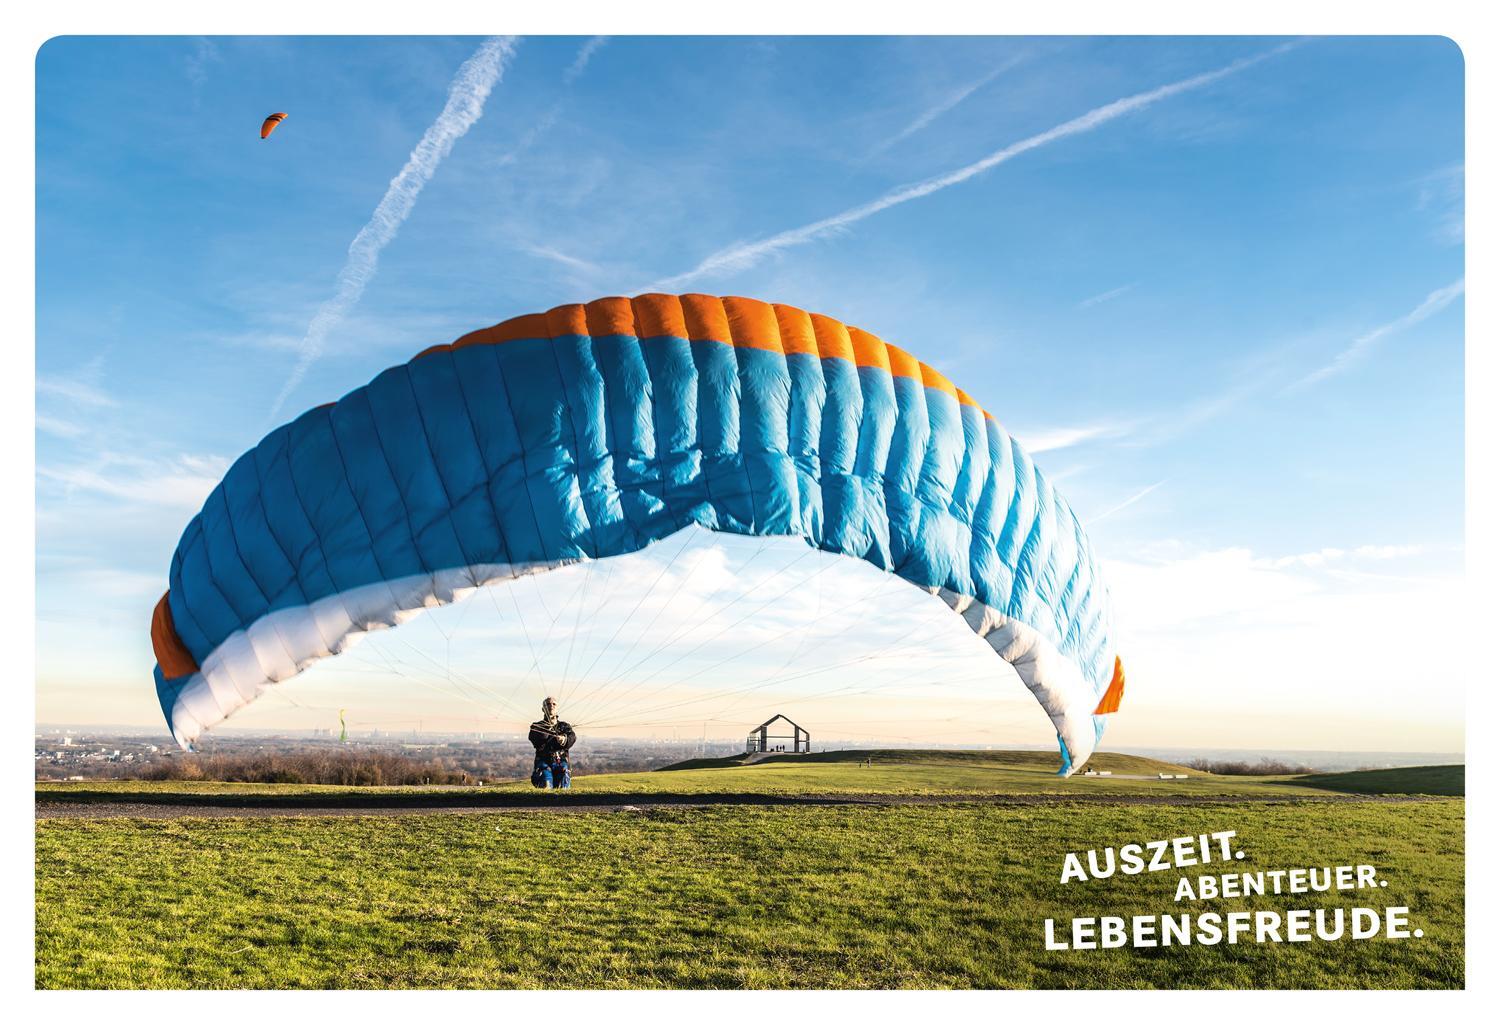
x: 54, y: 737
x: 1215, y: 286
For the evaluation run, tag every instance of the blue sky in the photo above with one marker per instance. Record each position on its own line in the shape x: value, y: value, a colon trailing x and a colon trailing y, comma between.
x: 1226, y: 315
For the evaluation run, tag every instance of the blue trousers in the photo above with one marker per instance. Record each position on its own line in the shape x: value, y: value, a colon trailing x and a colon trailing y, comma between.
x: 551, y: 774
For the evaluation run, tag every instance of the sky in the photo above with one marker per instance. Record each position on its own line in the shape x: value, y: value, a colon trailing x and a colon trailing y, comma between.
x: 1214, y: 285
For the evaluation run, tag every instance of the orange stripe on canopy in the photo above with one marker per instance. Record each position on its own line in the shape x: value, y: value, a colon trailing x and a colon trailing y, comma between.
x: 733, y: 320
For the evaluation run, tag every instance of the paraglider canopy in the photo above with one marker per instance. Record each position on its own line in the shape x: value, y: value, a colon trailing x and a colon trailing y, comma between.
x: 594, y: 431
x: 269, y: 124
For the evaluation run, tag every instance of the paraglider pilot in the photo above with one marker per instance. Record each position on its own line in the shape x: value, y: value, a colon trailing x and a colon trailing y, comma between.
x: 551, y: 737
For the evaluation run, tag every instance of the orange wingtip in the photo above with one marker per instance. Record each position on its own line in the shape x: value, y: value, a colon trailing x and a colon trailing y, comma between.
x: 171, y: 654
x: 1111, y: 700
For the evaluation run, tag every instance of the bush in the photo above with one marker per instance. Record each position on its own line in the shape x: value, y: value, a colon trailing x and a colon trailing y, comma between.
x: 1264, y: 767
x: 341, y: 768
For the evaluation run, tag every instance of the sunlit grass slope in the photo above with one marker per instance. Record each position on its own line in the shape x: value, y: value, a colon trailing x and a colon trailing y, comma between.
x: 1440, y: 780
x: 977, y: 773
x: 930, y: 896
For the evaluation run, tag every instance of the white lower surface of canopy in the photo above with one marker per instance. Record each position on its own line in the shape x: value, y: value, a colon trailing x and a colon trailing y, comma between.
x: 280, y: 645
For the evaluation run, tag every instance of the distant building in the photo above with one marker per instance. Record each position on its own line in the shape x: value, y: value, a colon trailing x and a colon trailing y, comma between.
x: 761, y: 739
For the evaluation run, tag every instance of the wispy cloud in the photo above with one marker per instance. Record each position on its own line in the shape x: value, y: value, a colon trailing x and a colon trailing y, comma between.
x: 177, y: 482
x: 1434, y: 303
x: 466, y: 98
x: 1104, y: 297
x: 1259, y: 378
x: 205, y: 52
x: 1326, y: 556
x: 528, y: 138
x: 944, y: 105
x: 1252, y: 378
x: 75, y: 390
x: 81, y: 387
x: 742, y: 256
x: 1442, y: 193
x: 85, y: 577
x: 1106, y: 514
x: 1264, y: 375
x: 59, y: 427
x: 549, y: 117
x: 574, y: 263
x: 1050, y: 439
x: 1181, y: 420
x: 585, y: 54
x: 281, y: 331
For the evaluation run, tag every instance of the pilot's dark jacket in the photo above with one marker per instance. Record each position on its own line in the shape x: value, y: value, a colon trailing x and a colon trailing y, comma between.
x: 551, y: 742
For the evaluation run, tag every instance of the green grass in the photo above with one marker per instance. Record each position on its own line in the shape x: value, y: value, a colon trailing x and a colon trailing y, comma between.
x: 972, y: 773
x: 943, y: 896
x: 1440, y: 780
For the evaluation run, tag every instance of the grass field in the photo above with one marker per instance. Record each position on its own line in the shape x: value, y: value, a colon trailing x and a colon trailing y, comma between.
x: 852, y: 896
x: 976, y: 773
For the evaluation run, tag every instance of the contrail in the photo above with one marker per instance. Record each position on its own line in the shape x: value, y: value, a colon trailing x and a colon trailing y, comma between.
x: 1434, y: 302
x: 547, y: 120
x: 586, y: 53
x: 1104, y: 297
x: 952, y: 100
x: 1106, y: 514
x: 466, y: 96
x: 746, y: 255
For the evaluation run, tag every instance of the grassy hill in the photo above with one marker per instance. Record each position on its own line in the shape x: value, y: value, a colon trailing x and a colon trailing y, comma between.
x: 1439, y: 780
x: 850, y: 896
x: 987, y: 774
x: 1044, y: 760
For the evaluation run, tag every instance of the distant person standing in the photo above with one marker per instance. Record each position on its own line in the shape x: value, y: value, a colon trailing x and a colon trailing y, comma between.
x: 551, y: 737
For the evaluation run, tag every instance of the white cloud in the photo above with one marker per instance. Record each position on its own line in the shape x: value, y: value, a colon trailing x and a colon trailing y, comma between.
x: 1325, y: 556
x: 1163, y: 597
x: 1388, y: 551
x: 1229, y: 648
x: 692, y: 627
x: 745, y: 255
